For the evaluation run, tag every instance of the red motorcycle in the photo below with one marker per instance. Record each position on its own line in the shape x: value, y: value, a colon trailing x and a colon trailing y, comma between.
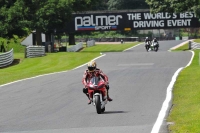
x: 97, y: 93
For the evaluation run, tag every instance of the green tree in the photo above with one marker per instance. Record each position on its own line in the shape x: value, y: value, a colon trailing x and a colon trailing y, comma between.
x: 174, y: 6
x: 11, y: 18
x: 127, y: 4
x: 101, y: 5
x: 46, y: 15
x: 42, y: 16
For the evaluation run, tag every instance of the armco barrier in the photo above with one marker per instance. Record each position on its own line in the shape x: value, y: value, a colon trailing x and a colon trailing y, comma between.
x: 194, y: 45
x: 34, y: 51
x: 6, y: 58
x: 90, y: 43
x: 75, y: 48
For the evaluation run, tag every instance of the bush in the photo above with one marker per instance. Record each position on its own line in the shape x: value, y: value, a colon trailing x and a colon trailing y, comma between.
x: 12, y: 43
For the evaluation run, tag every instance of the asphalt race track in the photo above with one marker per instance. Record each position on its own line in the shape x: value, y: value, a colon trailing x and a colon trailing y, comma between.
x: 55, y: 103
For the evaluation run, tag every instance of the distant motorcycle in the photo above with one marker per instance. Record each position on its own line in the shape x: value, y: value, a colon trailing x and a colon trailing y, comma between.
x: 147, y: 46
x: 154, y: 46
x: 97, y: 93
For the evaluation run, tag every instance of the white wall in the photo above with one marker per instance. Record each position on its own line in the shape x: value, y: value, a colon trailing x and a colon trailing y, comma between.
x: 29, y: 40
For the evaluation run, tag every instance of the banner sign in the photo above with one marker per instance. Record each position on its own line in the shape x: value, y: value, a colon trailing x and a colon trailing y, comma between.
x: 132, y: 21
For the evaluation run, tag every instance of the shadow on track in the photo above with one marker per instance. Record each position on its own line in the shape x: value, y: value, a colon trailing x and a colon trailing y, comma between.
x: 114, y: 112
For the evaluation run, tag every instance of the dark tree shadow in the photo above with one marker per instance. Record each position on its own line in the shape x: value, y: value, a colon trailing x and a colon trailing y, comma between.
x: 185, y: 49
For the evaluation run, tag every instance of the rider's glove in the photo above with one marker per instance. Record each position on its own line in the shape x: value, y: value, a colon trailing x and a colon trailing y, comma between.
x: 107, y: 83
x: 86, y: 86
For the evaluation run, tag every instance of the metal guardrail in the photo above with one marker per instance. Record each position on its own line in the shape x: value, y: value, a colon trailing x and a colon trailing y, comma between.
x: 75, y: 48
x: 6, y: 58
x: 34, y: 51
x: 90, y: 43
x: 194, y: 45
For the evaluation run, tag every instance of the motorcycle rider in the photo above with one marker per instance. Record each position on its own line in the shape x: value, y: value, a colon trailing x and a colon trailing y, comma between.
x: 92, y: 69
x: 155, y: 40
x: 147, y: 41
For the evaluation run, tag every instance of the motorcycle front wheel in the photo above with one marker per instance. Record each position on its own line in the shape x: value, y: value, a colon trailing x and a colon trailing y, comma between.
x: 156, y: 48
x: 98, y: 104
x: 103, y: 109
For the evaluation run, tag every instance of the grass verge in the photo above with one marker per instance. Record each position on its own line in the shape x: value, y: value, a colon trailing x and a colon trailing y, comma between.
x: 186, y: 96
x: 55, y: 62
x: 182, y: 48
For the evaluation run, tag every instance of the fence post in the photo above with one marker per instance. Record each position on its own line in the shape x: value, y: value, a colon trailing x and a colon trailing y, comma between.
x: 190, y: 44
x: 25, y: 52
x: 49, y: 48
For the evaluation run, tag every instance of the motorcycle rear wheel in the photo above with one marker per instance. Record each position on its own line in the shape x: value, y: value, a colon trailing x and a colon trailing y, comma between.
x: 98, y: 104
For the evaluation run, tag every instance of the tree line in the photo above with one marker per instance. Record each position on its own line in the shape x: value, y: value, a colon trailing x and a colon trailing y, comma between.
x: 20, y: 17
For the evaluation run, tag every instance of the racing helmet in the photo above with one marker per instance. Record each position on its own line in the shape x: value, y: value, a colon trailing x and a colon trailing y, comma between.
x: 92, y: 66
x: 146, y: 37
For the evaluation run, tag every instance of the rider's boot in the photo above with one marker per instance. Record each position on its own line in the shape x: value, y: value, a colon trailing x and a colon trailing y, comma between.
x: 89, y: 102
x: 85, y: 91
x: 108, y: 98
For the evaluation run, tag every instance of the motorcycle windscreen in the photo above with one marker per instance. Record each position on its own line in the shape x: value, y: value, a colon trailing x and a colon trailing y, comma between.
x: 95, y: 80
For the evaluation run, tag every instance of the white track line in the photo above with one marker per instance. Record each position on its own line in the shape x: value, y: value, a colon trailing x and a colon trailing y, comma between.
x: 179, y: 45
x: 165, y: 105
x: 102, y: 54
x: 92, y: 59
x: 48, y: 73
x: 133, y: 47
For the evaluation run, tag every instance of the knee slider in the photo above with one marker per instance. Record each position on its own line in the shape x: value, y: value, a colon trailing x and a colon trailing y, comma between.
x: 85, y: 90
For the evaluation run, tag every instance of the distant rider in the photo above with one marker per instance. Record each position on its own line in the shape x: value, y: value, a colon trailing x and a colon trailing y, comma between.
x: 147, y: 41
x: 92, y: 69
x: 155, y: 40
